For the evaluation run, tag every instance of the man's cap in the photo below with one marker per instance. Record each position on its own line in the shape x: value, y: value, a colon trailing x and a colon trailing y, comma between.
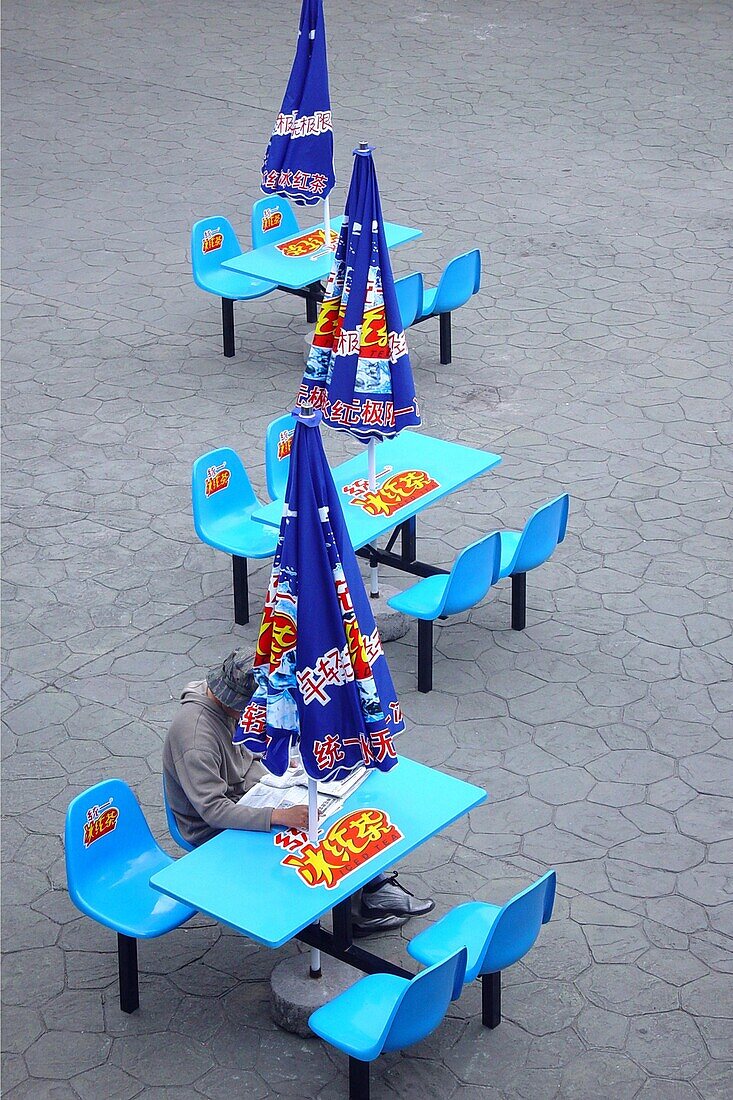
x: 233, y: 681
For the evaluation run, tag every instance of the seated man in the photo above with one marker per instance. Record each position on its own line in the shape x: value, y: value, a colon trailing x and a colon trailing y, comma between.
x: 205, y: 776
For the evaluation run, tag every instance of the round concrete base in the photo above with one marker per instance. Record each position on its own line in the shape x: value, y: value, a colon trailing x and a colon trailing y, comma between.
x: 390, y: 624
x: 294, y: 995
x: 308, y: 341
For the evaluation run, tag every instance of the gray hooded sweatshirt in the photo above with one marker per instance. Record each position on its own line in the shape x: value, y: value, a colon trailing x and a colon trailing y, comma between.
x: 205, y: 774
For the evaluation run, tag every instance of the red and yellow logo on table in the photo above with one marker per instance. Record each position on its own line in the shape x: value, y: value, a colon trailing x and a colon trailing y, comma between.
x: 394, y: 493
x: 306, y: 243
x: 349, y: 843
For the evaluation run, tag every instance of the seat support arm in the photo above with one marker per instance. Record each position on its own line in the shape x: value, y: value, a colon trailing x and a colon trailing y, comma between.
x: 241, y: 590
x: 127, y: 971
x: 358, y: 1079
x: 446, y: 349
x: 491, y: 999
x: 519, y: 601
x: 227, y: 326
x: 425, y: 655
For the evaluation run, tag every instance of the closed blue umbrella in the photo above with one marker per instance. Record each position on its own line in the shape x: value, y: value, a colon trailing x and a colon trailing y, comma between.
x: 358, y: 371
x: 298, y: 162
x: 323, y: 682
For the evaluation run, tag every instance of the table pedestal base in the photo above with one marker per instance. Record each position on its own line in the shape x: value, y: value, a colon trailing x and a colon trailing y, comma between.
x: 391, y: 624
x: 294, y: 995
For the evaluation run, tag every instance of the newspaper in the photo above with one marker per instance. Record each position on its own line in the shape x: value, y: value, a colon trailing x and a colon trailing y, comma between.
x: 291, y: 789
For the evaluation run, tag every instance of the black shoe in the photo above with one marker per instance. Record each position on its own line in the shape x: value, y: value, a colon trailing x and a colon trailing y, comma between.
x: 390, y: 896
x: 379, y: 922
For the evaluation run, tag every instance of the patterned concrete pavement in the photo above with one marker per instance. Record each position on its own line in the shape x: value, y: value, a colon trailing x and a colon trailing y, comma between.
x: 582, y: 146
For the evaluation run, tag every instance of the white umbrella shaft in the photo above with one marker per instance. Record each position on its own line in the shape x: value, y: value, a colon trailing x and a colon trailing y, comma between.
x: 372, y: 464
x: 327, y: 222
x: 315, y: 965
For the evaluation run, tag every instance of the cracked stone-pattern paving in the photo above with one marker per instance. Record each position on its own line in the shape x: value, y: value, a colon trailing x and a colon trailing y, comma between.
x: 582, y: 146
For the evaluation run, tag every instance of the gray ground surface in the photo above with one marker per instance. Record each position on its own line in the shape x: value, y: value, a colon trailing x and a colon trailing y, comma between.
x: 582, y: 146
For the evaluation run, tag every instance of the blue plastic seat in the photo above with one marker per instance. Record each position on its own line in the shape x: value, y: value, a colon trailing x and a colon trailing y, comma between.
x: 525, y: 550
x: 473, y: 573
x: 110, y: 857
x: 278, y: 441
x: 383, y: 1012
x: 495, y: 937
x: 223, y: 502
x: 409, y: 297
x: 212, y: 241
x: 461, y: 279
x: 173, y: 824
x: 273, y: 219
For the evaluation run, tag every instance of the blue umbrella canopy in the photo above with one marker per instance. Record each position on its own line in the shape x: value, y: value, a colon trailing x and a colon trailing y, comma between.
x: 298, y: 162
x: 358, y: 371
x: 322, y: 678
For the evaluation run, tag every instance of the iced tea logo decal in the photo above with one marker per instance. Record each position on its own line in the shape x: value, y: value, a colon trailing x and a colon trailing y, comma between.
x: 271, y: 218
x: 314, y: 182
x: 306, y: 243
x: 212, y: 239
x: 394, y: 493
x: 217, y: 478
x: 348, y: 844
x: 100, y: 821
x: 285, y: 444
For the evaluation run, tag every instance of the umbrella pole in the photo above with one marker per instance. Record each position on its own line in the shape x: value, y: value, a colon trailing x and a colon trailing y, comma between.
x: 327, y: 222
x: 372, y: 463
x: 315, y: 965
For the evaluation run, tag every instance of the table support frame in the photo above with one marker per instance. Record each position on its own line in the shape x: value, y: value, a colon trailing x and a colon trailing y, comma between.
x: 340, y: 945
x: 313, y: 294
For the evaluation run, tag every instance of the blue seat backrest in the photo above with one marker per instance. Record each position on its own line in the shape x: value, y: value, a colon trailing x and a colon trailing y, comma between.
x: 219, y: 484
x: 518, y: 925
x: 541, y: 534
x: 425, y: 1001
x: 106, y: 838
x: 409, y: 291
x: 213, y: 240
x: 474, y: 571
x: 173, y: 824
x: 460, y: 280
x: 278, y: 441
x: 273, y: 219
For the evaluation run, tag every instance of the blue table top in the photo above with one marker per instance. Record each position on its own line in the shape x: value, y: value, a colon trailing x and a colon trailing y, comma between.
x: 239, y: 877
x: 413, y: 471
x: 302, y: 259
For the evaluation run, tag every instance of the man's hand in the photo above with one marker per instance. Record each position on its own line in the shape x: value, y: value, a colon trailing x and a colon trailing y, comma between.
x: 294, y: 817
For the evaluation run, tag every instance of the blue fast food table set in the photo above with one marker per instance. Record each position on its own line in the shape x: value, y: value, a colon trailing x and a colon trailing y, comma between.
x: 414, y: 470
x: 270, y: 901
x: 240, y: 878
x: 301, y: 260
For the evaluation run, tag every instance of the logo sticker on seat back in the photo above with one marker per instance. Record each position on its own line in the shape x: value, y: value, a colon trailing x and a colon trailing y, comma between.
x: 285, y: 443
x: 211, y: 240
x: 217, y: 478
x: 271, y: 219
x: 100, y: 821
